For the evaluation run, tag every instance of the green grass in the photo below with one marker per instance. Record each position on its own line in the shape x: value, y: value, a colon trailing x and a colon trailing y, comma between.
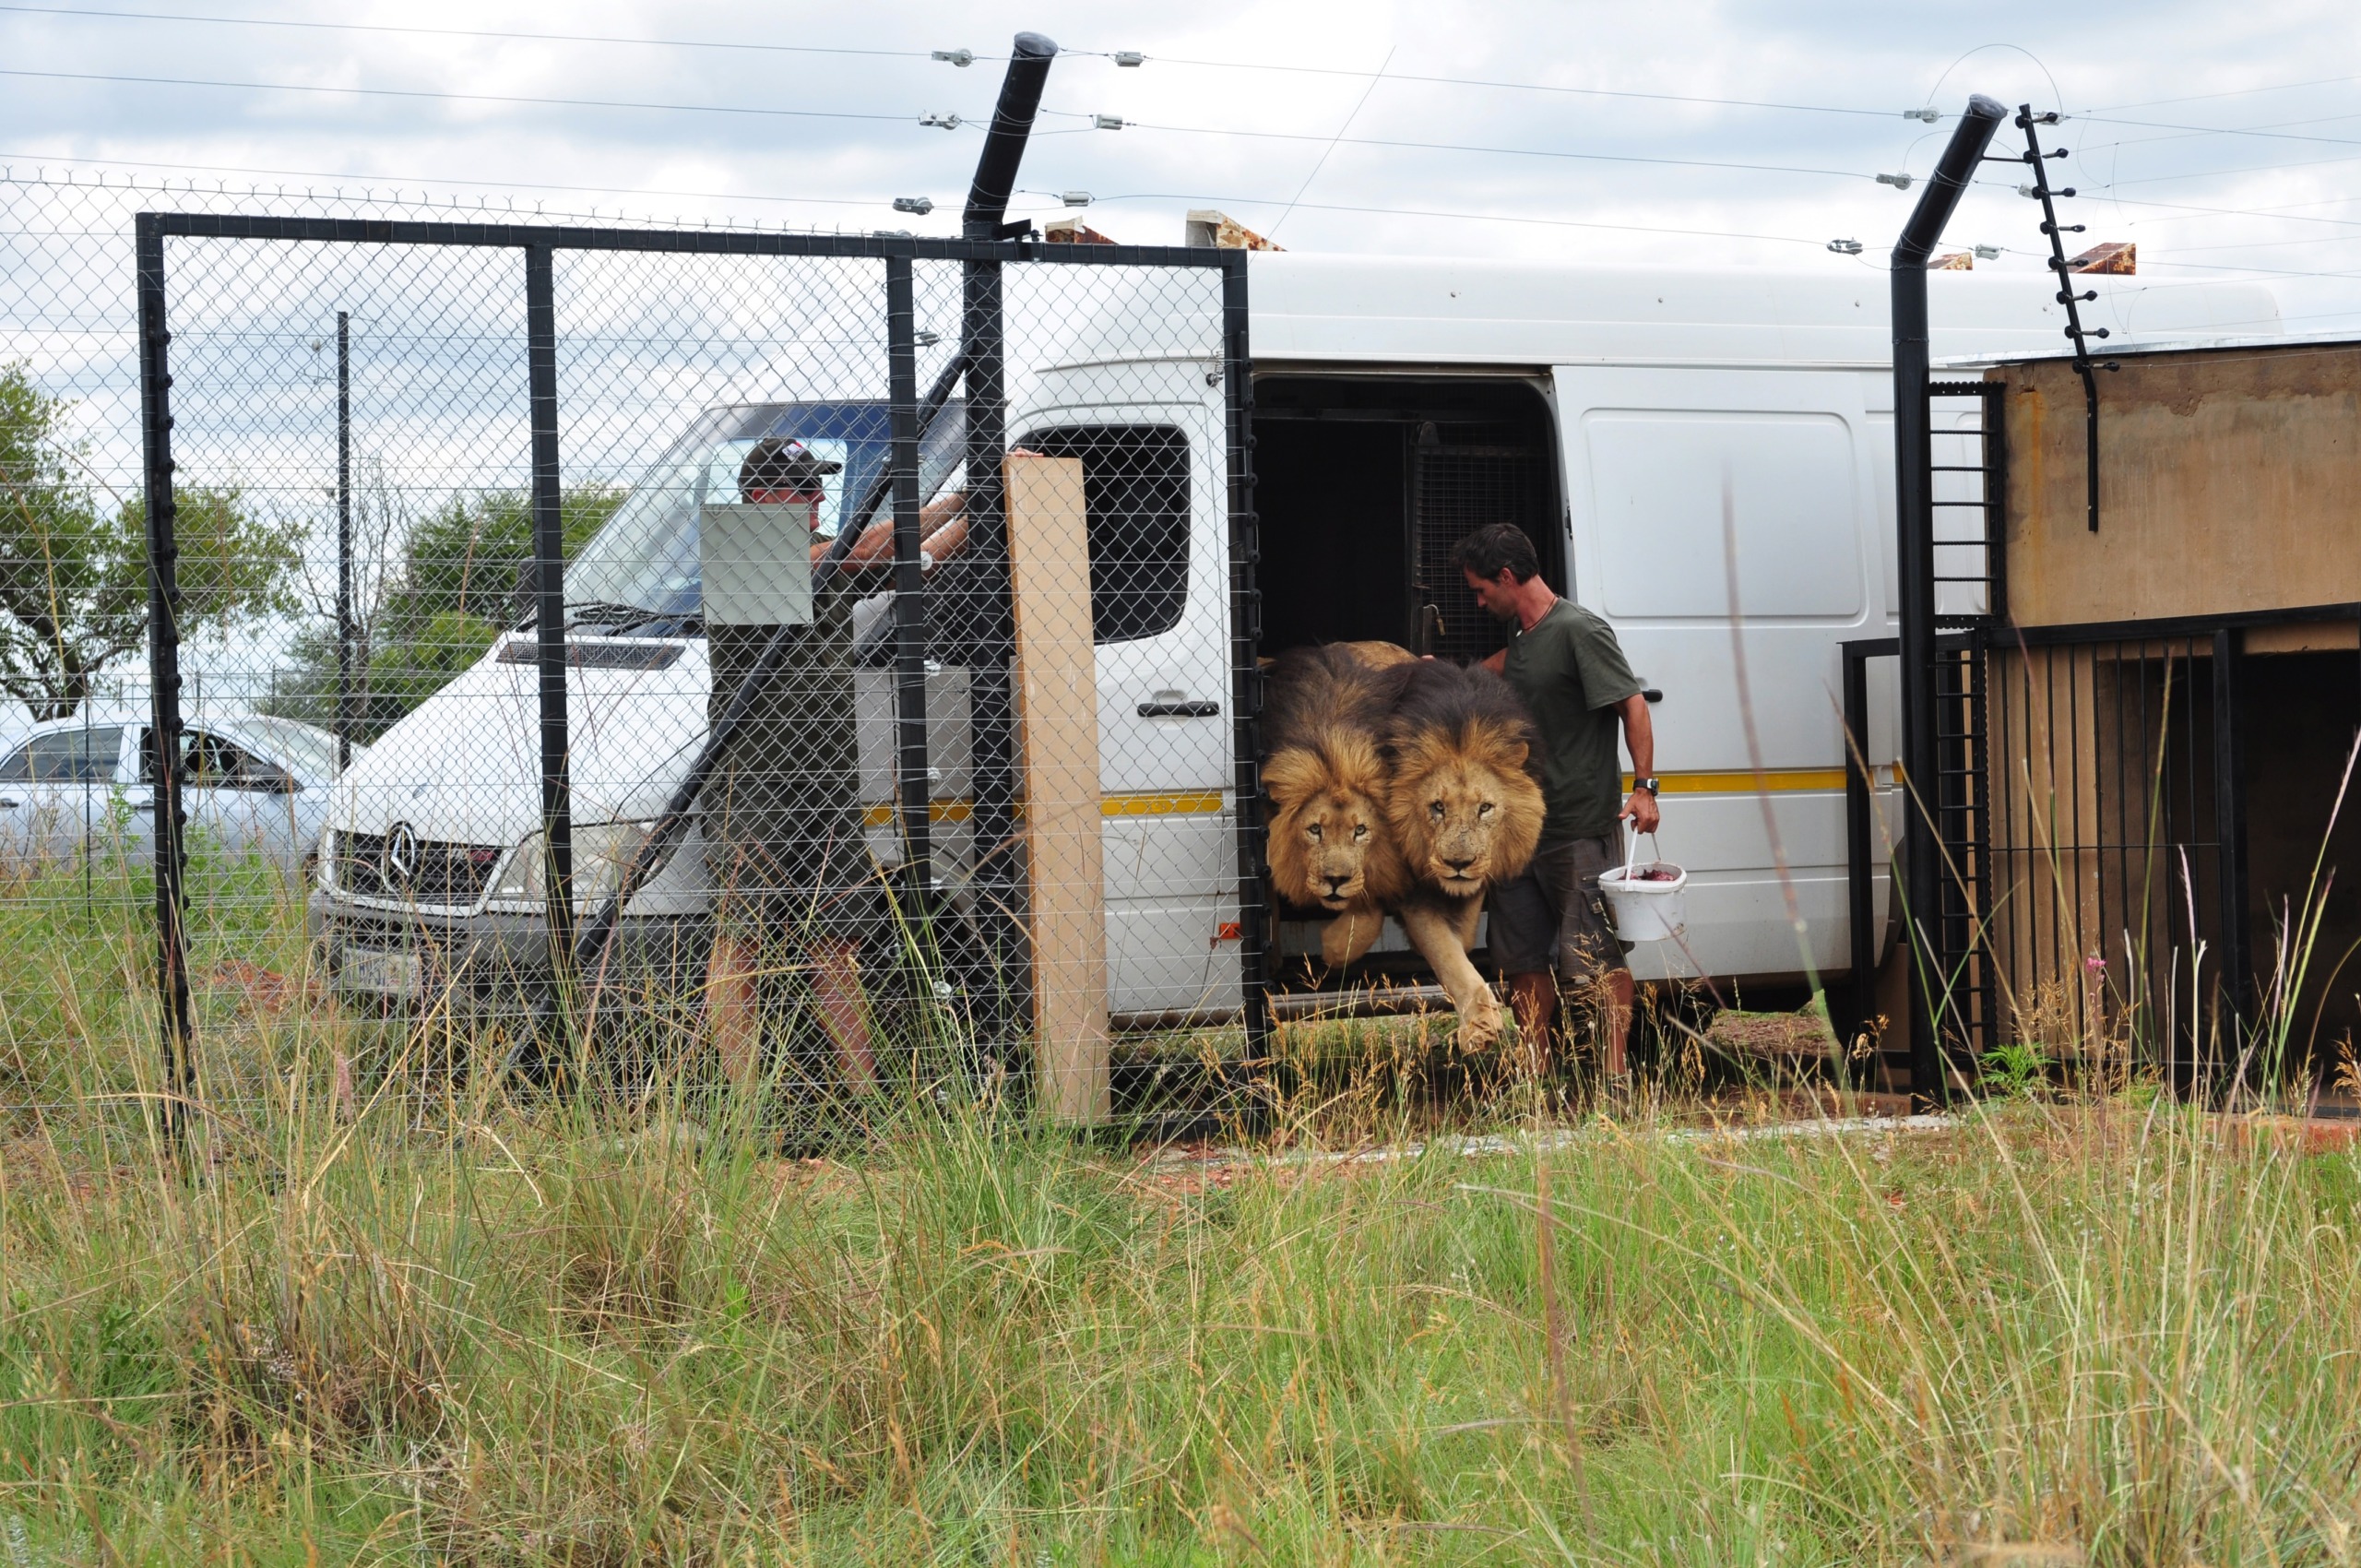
x: 476, y: 1329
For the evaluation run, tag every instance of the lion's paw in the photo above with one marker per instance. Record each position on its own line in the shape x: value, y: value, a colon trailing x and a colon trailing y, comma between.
x: 1480, y: 1024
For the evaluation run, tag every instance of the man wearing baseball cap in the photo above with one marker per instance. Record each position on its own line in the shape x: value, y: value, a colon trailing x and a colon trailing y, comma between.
x: 799, y: 893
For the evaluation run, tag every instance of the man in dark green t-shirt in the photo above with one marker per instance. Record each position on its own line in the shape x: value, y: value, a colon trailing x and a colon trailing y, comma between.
x: 1550, y: 932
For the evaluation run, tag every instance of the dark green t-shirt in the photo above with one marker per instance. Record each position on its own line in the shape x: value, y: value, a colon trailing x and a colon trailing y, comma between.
x: 1571, y: 672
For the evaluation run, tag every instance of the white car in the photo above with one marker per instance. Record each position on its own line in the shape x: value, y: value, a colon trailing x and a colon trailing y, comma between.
x: 256, y: 786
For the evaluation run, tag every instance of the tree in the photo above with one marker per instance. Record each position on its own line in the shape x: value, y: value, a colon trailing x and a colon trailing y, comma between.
x: 464, y: 576
x: 74, y: 563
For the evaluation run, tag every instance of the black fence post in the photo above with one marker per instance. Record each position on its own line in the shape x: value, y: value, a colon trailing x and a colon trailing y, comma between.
x: 911, y: 762
x: 991, y: 690
x: 2230, y: 833
x: 343, y: 538
x: 164, y: 679
x: 1913, y: 521
x: 1254, y: 904
x: 549, y: 611
x: 991, y: 678
x: 1861, y: 890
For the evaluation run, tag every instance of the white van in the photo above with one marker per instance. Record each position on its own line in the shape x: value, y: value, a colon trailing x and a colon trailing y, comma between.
x: 1398, y: 404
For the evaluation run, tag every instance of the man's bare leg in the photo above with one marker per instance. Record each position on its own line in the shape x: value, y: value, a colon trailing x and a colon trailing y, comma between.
x: 835, y: 985
x: 1619, y: 1023
x: 1534, y: 998
x: 733, y: 1010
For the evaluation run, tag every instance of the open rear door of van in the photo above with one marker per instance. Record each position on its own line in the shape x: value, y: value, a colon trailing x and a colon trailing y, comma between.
x: 1699, y: 498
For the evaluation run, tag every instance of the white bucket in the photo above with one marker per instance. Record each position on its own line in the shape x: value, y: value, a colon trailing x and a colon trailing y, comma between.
x: 1649, y: 909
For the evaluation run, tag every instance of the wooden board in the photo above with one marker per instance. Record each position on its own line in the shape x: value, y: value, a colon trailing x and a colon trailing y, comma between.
x: 1057, y: 696
x: 2226, y: 483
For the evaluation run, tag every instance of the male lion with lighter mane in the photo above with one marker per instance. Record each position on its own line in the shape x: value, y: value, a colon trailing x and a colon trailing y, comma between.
x: 1465, y: 810
x: 1329, y: 843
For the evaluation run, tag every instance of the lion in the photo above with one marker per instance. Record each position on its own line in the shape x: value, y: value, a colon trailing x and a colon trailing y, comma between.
x: 1466, y: 811
x: 1329, y: 842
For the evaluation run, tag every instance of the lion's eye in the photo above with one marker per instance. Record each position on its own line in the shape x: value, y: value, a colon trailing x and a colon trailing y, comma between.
x: 1360, y: 830
x: 1314, y: 830
x: 1484, y: 810
x: 1434, y: 809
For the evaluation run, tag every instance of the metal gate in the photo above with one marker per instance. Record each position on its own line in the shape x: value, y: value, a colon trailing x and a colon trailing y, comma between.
x: 1009, y: 689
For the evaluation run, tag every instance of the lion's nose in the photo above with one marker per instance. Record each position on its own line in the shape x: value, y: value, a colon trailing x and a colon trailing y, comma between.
x: 1459, y: 868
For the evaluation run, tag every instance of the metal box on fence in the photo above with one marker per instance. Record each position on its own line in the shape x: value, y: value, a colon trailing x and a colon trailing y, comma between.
x: 757, y: 563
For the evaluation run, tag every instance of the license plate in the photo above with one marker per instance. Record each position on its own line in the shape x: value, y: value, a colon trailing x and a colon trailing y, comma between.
x: 385, y: 974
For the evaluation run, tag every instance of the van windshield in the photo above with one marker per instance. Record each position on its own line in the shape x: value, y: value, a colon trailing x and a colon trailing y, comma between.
x: 646, y: 558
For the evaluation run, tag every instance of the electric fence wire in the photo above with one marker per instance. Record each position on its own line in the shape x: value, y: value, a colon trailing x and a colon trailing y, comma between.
x: 971, y: 57
x: 429, y: 94
x: 2276, y: 131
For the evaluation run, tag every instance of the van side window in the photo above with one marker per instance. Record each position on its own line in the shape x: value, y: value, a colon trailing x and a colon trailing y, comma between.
x: 1135, y: 502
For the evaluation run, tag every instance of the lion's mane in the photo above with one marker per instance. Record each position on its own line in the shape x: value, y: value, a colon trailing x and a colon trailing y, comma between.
x: 1458, y: 737
x: 1323, y: 727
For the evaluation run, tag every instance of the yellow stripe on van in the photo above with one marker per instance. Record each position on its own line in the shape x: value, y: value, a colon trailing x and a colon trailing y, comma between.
x: 936, y: 811
x: 1724, y: 781
x: 1743, y: 781
x: 1161, y: 805
x: 1203, y: 803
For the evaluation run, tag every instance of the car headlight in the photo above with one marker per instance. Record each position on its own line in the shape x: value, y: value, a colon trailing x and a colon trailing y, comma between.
x: 603, y: 851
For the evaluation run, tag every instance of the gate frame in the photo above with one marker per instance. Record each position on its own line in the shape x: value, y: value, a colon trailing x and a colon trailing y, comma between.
x: 536, y: 246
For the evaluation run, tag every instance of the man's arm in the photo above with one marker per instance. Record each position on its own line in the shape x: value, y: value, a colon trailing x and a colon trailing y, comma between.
x: 1640, y: 738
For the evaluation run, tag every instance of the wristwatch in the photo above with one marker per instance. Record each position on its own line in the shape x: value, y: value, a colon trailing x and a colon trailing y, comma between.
x: 1651, y: 784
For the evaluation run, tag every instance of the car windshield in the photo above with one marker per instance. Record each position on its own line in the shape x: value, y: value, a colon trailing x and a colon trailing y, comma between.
x: 304, y: 751
x: 646, y: 558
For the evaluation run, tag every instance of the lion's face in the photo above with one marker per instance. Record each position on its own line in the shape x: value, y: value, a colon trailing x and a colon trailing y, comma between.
x: 1465, y: 810
x: 1329, y: 844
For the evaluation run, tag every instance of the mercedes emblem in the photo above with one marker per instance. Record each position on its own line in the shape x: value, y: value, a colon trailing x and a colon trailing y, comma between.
x: 402, y: 855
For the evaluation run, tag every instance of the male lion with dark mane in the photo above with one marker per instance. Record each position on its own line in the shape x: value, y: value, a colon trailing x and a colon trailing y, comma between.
x: 1329, y: 843
x: 1466, y: 809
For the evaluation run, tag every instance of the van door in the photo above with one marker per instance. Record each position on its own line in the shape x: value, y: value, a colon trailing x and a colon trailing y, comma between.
x: 1656, y: 458
x: 1155, y: 498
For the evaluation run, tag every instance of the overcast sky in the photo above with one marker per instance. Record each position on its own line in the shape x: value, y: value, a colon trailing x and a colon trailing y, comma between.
x: 2220, y: 137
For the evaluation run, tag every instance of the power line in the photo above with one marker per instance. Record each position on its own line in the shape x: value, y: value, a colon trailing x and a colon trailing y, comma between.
x: 503, y: 34
x: 2224, y: 173
x: 1322, y: 161
x: 2263, y: 132
x: 2093, y: 193
x: 2270, y: 244
x: 732, y: 45
x: 464, y: 97
x: 2287, y: 213
x: 1515, y: 87
x: 2232, y: 92
x: 423, y: 182
x: 1499, y: 151
x: 1455, y: 217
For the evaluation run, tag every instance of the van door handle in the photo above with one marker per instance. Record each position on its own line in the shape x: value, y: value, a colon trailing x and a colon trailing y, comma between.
x: 9, y: 802
x: 1197, y: 707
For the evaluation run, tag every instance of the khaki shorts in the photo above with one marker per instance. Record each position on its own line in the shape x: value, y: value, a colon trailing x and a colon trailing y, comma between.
x: 1554, y: 917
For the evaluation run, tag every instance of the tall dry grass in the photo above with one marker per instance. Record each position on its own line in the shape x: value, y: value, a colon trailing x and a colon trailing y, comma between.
x: 478, y: 1326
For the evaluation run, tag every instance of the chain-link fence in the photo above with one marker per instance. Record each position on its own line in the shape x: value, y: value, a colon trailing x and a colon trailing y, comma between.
x: 831, y: 656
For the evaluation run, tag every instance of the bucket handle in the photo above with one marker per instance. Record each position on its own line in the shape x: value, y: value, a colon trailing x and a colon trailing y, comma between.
x: 1631, y: 853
